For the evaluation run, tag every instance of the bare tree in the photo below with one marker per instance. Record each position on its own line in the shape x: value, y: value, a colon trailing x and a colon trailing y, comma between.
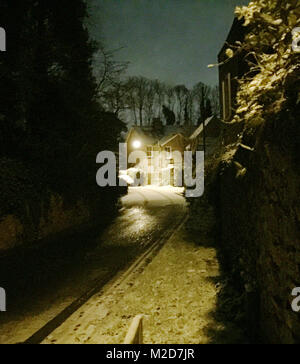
x: 107, y: 70
x: 137, y: 94
x: 141, y: 84
x: 146, y: 99
x: 150, y: 101
x: 201, y: 94
x: 181, y: 93
x: 131, y: 97
x: 171, y: 97
x: 215, y: 100
x: 189, y: 108
x: 115, y: 98
x: 160, y: 91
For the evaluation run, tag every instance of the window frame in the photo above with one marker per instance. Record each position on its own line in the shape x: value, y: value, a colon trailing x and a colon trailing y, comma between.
x: 227, y: 96
x: 168, y: 152
x: 150, y: 151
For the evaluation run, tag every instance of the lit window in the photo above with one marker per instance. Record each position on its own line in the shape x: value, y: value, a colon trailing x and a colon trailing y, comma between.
x: 150, y: 151
x: 136, y: 144
x: 227, y: 97
x: 168, y: 151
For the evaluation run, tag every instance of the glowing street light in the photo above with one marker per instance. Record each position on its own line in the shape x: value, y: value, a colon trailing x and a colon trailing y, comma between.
x: 136, y: 144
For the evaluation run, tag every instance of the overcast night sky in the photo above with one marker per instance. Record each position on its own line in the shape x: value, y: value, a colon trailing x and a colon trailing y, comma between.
x: 169, y: 40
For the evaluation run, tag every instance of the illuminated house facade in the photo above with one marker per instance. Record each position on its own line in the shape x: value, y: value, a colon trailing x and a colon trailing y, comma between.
x: 157, y: 159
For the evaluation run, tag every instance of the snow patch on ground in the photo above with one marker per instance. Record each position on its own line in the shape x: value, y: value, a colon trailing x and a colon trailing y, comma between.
x: 154, y: 196
x: 176, y: 293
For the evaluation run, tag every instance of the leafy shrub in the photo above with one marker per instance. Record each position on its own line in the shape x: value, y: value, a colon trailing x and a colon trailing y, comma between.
x: 276, y: 67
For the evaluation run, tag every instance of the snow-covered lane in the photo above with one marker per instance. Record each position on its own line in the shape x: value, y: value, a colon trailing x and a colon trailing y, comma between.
x: 152, y: 196
x: 145, y: 215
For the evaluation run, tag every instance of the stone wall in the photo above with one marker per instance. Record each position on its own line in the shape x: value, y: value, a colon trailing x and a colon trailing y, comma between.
x: 31, y: 213
x: 54, y: 217
x: 257, y: 200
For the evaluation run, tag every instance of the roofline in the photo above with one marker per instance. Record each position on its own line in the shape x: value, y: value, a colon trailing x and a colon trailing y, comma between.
x: 171, y: 138
x: 200, y: 127
x: 235, y: 23
x: 129, y: 133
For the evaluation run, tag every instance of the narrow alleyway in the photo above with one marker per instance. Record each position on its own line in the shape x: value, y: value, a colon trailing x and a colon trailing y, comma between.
x: 175, y: 288
x: 50, y: 285
x: 177, y: 293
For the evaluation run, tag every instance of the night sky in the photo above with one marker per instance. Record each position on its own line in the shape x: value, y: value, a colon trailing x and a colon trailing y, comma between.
x: 169, y: 40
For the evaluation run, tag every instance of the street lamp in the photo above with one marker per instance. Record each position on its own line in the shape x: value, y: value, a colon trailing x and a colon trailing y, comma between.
x: 136, y: 144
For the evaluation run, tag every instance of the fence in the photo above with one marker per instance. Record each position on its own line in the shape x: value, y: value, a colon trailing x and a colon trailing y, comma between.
x: 2, y: 300
x: 135, y: 332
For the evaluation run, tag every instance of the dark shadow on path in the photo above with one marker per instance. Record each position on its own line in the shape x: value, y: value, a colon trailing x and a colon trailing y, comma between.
x: 228, y: 319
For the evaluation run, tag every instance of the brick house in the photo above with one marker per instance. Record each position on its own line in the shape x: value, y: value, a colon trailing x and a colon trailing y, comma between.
x: 160, y: 161
x: 230, y: 70
x: 212, y: 131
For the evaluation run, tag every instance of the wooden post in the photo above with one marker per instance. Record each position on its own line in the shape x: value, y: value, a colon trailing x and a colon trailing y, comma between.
x: 135, y: 333
x: 2, y: 40
x: 2, y: 300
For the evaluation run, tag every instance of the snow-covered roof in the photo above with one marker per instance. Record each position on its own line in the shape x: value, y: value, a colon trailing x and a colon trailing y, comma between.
x: 199, y: 130
x: 146, y: 137
x: 170, y: 133
x: 166, y: 139
x: 169, y: 138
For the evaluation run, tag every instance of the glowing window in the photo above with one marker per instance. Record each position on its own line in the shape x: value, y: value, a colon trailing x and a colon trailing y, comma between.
x: 168, y: 151
x: 136, y: 144
x: 150, y: 151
